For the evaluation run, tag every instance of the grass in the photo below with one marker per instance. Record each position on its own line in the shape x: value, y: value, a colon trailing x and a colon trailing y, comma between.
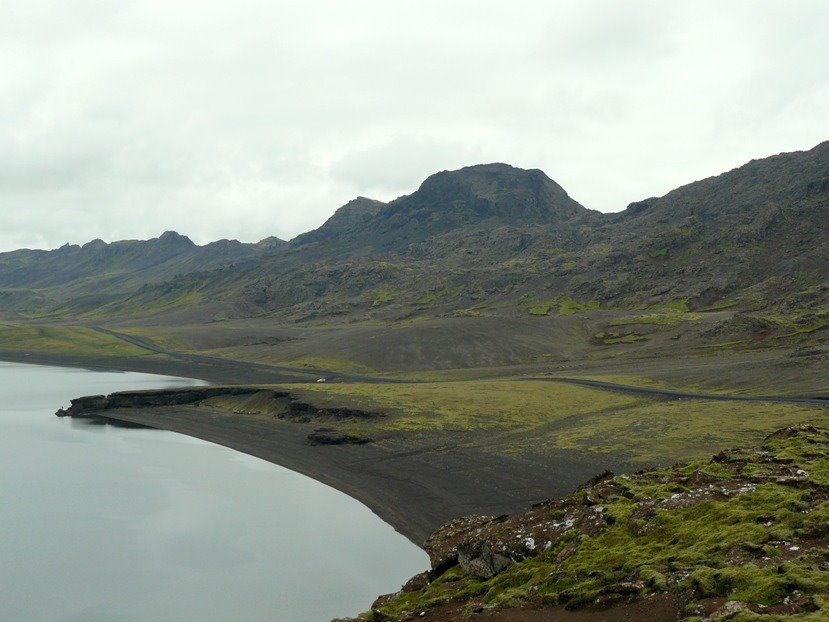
x: 471, y: 405
x: 261, y: 403
x: 383, y: 296
x: 697, y: 538
x: 610, y: 338
x: 556, y: 416
x: 157, y: 336
x: 543, y: 309
x: 136, y: 305
x: 668, y: 318
x: 786, y: 327
x: 728, y: 303
x: 662, y: 431
x: 564, y: 306
x: 735, y: 546
x: 438, y: 295
x: 569, y: 306
x: 802, y: 323
x: 73, y: 340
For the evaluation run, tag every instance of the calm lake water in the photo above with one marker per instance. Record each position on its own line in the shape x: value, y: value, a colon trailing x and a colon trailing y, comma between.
x: 107, y: 524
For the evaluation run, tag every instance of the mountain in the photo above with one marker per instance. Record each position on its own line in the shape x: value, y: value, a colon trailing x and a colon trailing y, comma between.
x: 98, y: 271
x: 486, y: 236
x: 481, y: 197
x: 762, y: 227
x: 345, y: 220
x: 751, y: 238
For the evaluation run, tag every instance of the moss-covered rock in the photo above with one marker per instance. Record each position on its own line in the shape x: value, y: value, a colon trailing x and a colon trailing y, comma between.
x: 747, y: 529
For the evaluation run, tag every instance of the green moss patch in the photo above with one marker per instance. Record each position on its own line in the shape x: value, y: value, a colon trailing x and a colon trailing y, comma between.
x: 383, y: 296
x: 747, y: 526
x: 564, y: 306
x: 610, y: 338
x: 77, y: 340
x: 569, y: 306
x: 669, y: 318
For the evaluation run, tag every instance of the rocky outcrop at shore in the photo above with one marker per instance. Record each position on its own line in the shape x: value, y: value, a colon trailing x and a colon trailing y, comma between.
x: 747, y: 531
x: 95, y: 404
x: 327, y: 436
x: 254, y: 401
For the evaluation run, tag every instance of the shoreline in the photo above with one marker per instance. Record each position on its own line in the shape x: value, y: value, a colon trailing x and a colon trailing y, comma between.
x: 213, y: 370
x: 415, y: 488
x: 415, y: 485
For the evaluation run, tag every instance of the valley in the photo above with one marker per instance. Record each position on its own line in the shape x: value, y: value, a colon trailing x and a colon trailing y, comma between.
x: 471, y: 348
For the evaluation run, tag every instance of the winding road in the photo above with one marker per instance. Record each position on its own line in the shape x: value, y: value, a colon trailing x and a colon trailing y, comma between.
x: 816, y: 400
x: 264, y: 373
x: 256, y: 372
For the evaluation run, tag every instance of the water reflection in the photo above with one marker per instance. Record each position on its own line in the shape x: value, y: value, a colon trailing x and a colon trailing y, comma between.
x: 103, y: 522
x: 97, y: 421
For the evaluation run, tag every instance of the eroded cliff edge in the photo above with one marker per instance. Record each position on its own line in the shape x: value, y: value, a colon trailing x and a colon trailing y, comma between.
x: 239, y: 400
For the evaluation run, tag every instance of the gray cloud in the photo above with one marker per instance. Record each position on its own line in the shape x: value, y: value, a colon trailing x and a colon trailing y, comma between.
x: 256, y: 118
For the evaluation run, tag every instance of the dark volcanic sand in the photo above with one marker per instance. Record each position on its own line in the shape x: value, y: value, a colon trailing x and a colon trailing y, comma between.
x: 415, y: 486
x: 415, y: 483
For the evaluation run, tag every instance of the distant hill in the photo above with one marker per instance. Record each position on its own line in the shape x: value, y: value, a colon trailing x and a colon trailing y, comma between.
x: 97, y: 272
x: 487, y: 236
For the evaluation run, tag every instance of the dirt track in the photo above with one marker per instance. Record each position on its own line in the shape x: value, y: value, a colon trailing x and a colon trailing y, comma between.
x: 671, y: 393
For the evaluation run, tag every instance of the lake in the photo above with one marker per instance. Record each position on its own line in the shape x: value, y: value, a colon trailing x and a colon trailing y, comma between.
x: 106, y: 524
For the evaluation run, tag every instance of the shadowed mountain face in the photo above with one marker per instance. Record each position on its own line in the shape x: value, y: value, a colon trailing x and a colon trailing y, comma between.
x: 483, y: 235
x: 487, y: 195
x: 478, y: 193
x: 346, y: 220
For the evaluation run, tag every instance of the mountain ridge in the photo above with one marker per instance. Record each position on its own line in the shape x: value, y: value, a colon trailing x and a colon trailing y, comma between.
x: 485, y: 232
x: 119, y: 266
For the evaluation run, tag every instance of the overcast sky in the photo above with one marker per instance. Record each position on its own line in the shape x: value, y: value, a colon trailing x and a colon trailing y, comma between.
x: 244, y: 118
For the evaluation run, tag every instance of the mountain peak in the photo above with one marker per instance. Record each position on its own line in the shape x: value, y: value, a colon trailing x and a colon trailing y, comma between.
x: 448, y: 200
x: 173, y: 237
x: 351, y: 215
x: 94, y: 244
x: 497, y: 190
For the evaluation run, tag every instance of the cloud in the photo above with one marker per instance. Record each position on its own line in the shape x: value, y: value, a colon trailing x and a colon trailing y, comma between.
x: 402, y: 162
x: 122, y: 120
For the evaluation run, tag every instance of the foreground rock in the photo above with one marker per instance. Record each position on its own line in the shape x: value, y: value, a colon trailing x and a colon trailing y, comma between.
x: 744, y: 536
